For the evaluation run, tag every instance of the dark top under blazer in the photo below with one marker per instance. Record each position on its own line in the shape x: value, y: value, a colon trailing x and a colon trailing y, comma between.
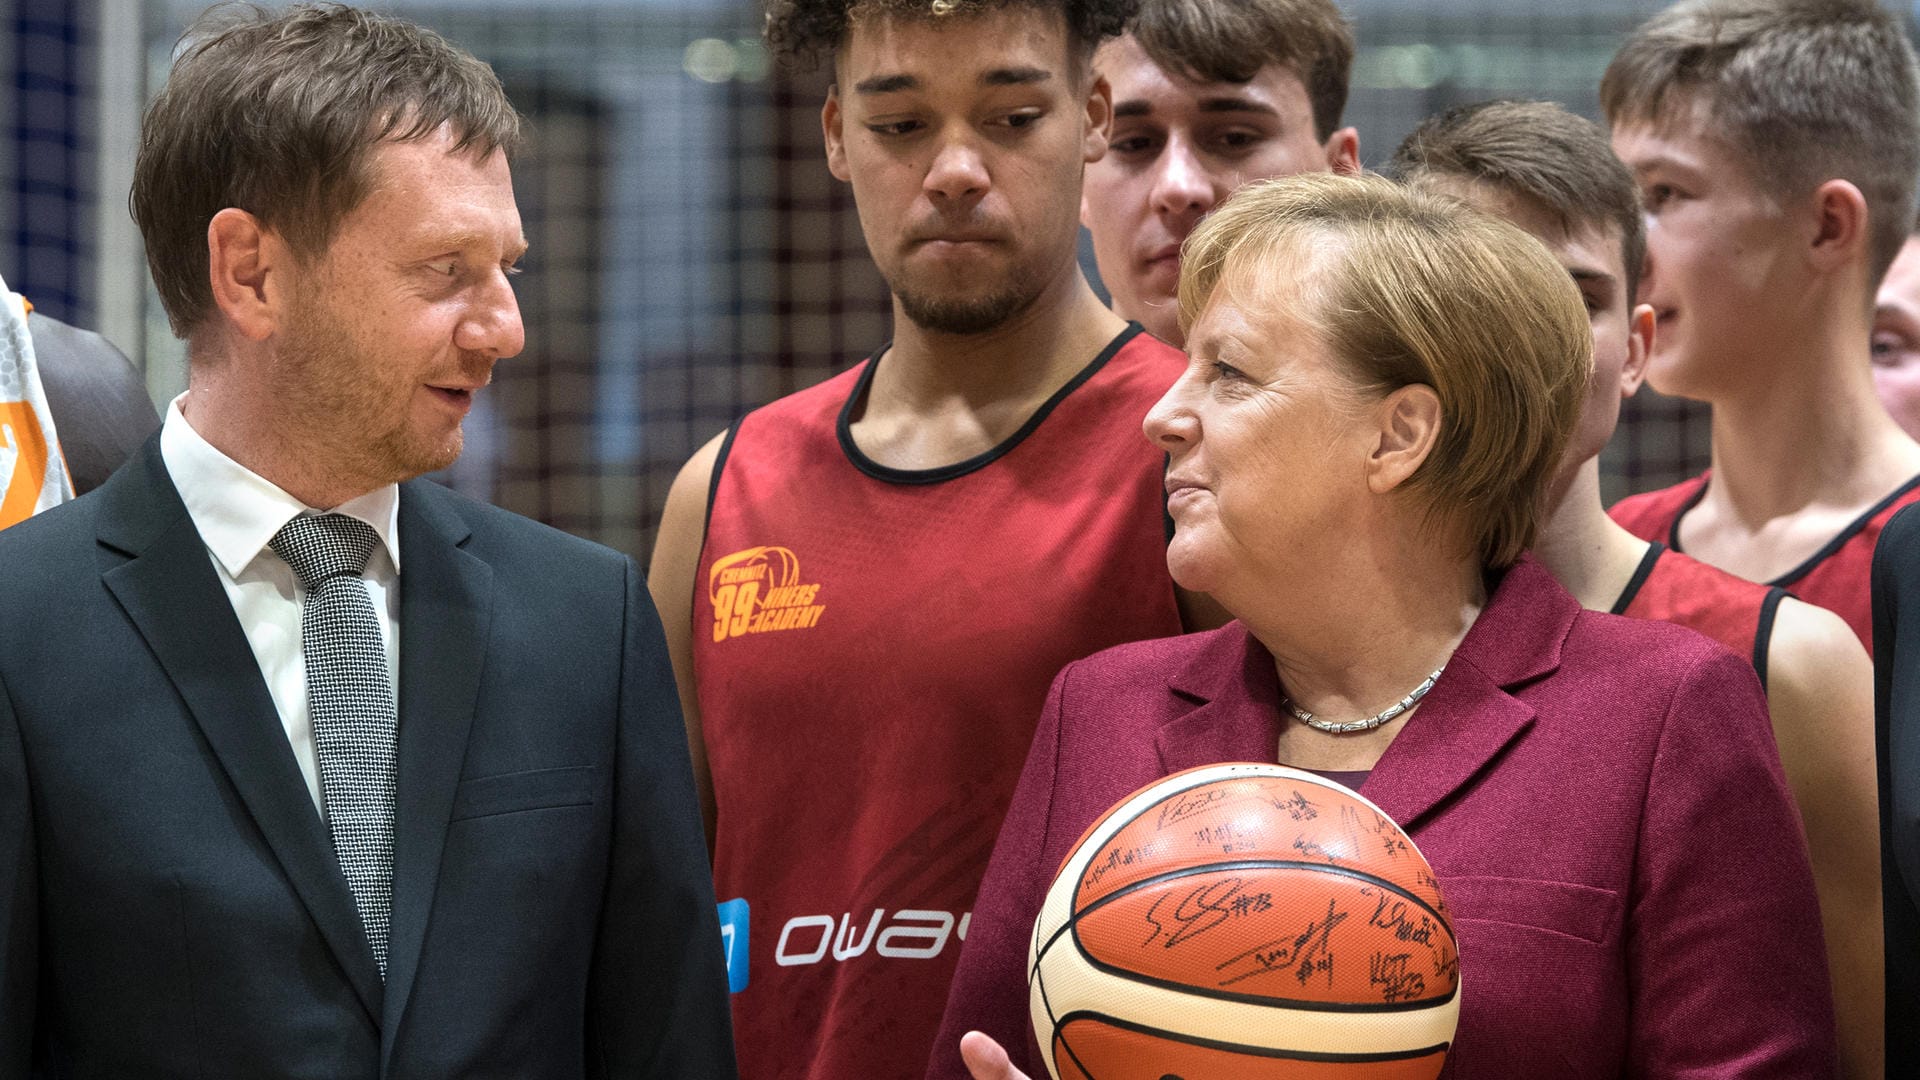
x: 1896, y: 698
x: 1599, y: 797
x: 169, y: 902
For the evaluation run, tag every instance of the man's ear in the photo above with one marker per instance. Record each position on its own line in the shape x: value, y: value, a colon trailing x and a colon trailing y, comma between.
x: 1639, y: 347
x: 1099, y: 117
x: 1840, y: 234
x: 250, y: 269
x: 831, y: 129
x: 1343, y: 152
x: 1410, y: 422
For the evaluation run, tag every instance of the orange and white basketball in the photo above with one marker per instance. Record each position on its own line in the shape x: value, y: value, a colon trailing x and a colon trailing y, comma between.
x: 1244, y: 922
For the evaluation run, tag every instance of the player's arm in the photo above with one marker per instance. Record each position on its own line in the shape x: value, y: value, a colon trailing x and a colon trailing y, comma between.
x: 670, y: 580
x: 1820, y: 693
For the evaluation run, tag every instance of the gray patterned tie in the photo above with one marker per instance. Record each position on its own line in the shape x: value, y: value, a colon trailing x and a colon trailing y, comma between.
x: 351, y: 700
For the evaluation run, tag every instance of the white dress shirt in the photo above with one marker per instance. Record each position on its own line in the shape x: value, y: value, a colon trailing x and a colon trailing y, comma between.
x: 237, y: 512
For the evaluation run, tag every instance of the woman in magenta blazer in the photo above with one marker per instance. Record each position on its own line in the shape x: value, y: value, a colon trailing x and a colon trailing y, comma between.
x: 1381, y: 384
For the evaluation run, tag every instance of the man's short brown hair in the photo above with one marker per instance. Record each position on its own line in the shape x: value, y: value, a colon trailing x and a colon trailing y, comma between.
x: 1232, y: 40
x: 1540, y: 153
x: 1804, y: 90
x: 1405, y: 287
x: 802, y: 32
x: 278, y: 114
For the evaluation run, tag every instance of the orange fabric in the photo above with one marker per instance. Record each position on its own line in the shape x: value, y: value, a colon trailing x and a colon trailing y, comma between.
x: 20, y: 429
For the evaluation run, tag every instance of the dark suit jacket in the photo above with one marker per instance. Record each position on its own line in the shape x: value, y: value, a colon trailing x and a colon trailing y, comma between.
x: 1600, y: 799
x: 170, y: 905
x: 99, y: 402
x: 1896, y: 676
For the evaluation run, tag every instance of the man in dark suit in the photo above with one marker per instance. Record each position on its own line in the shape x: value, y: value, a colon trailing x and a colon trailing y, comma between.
x: 309, y: 768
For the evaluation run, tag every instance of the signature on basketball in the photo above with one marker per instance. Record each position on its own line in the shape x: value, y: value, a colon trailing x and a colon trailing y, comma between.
x: 1404, y: 920
x: 1117, y: 859
x: 1189, y: 803
x: 1201, y: 909
x: 1392, y: 975
x: 1296, y: 806
x: 1304, y: 955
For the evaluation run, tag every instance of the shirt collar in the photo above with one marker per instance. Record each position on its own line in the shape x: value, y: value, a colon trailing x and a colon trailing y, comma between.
x: 237, y: 511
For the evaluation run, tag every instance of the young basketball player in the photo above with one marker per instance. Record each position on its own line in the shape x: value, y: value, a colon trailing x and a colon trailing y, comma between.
x: 1551, y: 173
x: 1776, y: 144
x: 1896, y: 337
x: 1207, y: 95
x: 869, y: 585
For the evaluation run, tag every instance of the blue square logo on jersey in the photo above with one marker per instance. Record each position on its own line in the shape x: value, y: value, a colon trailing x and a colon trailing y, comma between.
x: 733, y: 934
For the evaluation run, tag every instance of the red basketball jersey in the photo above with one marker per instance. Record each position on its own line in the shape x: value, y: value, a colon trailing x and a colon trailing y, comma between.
x: 1675, y: 588
x: 1835, y: 577
x: 872, y: 650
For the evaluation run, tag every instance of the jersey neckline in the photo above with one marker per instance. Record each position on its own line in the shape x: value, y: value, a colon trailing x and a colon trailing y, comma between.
x: 1826, y: 551
x: 1640, y: 575
x: 843, y: 428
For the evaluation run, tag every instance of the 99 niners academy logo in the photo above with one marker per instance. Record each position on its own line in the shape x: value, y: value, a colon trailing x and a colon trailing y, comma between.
x: 758, y: 591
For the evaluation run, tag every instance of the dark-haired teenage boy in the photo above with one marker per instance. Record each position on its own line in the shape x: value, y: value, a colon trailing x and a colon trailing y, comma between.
x: 1207, y: 95
x: 869, y: 585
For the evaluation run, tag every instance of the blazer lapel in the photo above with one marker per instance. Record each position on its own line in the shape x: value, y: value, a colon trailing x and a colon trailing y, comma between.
x: 1458, y: 731
x: 1236, y: 689
x: 446, y: 605
x: 157, y: 567
x: 1470, y: 716
x: 1460, y: 727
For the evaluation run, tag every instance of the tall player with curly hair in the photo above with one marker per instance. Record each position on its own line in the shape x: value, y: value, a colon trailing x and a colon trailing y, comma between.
x: 868, y: 585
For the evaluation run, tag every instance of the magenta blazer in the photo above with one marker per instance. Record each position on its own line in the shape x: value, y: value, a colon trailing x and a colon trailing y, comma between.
x: 1600, y: 798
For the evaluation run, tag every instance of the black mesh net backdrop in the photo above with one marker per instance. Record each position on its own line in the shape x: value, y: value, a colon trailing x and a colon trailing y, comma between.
x: 692, y: 258
x: 47, y: 155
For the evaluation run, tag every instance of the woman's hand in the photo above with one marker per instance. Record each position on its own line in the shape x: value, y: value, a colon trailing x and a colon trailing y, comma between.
x: 986, y: 1060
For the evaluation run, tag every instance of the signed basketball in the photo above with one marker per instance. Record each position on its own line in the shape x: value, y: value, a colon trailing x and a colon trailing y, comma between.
x: 1244, y: 922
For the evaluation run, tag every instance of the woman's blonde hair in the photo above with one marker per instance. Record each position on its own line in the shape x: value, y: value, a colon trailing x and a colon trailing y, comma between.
x: 1408, y: 288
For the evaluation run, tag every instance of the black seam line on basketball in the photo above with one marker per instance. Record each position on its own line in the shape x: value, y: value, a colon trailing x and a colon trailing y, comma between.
x: 1198, y: 780
x: 1053, y: 1030
x: 1201, y: 777
x: 1073, y: 922
x: 1256, y: 1051
x: 843, y: 427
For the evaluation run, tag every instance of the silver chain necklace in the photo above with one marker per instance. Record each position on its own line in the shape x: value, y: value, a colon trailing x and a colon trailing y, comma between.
x: 1371, y: 722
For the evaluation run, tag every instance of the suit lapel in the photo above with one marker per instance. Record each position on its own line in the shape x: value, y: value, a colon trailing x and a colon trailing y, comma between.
x: 159, y: 571
x: 446, y: 604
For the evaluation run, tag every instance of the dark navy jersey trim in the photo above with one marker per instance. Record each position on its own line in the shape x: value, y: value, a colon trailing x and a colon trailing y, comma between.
x: 713, y: 482
x: 844, y: 427
x: 1673, y: 529
x: 1640, y: 575
x: 1826, y: 552
x: 1763, y: 634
